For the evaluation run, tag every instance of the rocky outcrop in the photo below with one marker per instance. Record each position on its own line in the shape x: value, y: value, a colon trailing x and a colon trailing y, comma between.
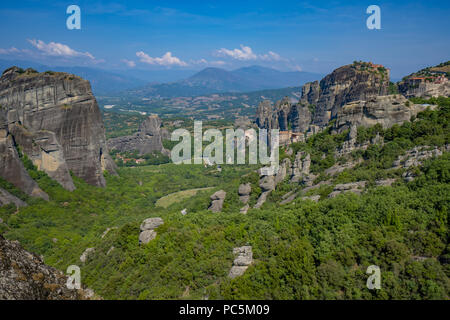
x: 346, y: 84
x: 147, y: 229
x: 147, y: 140
x: 416, y: 156
x: 385, y: 183
x: 24, y: 276
x: 7, y: 198
x: 385, y: 110
x: 315, y: 198
x: 244, y: 258
x: 354, y: 187
x: 321, y: 102
x: 217, y: 200
x: 244, y: 192
x: 300, y: 167
x: 57, y: 123
x: 267, y: 185
x: 416, y: 87
x: 84, y: 256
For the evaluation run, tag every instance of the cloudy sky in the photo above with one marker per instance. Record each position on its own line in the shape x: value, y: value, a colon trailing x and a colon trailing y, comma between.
x: 315, y: 36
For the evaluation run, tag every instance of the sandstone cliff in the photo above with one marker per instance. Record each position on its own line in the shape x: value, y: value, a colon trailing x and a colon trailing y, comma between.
x: 321, y: 102
x: 55, y: 120
x: 148, y: 139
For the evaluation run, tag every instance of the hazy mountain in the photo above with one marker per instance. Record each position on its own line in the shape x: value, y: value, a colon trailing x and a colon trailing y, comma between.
x: 102, y: 81
x: 216, y: 80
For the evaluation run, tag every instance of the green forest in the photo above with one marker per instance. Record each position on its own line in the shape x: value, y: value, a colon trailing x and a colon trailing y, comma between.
x: 301, y: 250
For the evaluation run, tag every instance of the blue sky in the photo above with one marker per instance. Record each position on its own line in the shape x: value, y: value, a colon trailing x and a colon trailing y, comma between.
x: 315, y: 36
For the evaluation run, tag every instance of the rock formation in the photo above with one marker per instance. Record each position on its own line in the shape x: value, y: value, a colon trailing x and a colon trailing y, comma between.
x: 84, y: 256
x: 147, y: 228
x: 217, y: 200
x: 55, y: 119
x: 24, y: 276
x: 7, y: 198
x: 244, y: 192
x: 321, y: 102
x: 355, y: 187
x: 148, y: 139
x: 243, y: 259
x: 385, y: 110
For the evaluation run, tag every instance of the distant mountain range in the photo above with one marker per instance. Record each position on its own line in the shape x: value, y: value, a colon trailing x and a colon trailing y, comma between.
x: 207, y: 81
x: 102, y: 82
x: 216, y: 80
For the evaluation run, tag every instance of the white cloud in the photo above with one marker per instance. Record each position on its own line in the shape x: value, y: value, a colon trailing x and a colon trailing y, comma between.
x: 206, y: 62
x: 58, y: 49
x: 13, y: 50
x: 166, y: 60
x: 129, y: 63
x: 246, y: 53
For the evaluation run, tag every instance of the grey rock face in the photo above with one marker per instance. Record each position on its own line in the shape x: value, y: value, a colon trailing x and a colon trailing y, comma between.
x: 267, y: 183
x: 410, y: 88
x: 266, y: 118
x: 146, y: 236
x: 243, y: 259
x: 300, y: 167
x: 64, y: 105
x: 44, y: 150
x: 151, y: 223
x: 148, y: 139
x: 385, y: 183
x: 310, y: 93
x: 217, y: 200
x: 417, y: 155
x: 11, y: 167
x: 24, y: 276
x: 147, y: 228
x: 300, y: 117
x: 315, y: 198
x: 7, y: 198
x: 385, y: 110
x: 344, y: 85
x: 355, y: 187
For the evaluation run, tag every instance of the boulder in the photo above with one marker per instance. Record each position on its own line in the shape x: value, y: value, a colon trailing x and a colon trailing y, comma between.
x: 146, y: 236
x: 84, y: 256
x: 217, y: 200
x: 147, y: 228
x: 151, y: 223
x: 244, y: 209
x: 244, y: 192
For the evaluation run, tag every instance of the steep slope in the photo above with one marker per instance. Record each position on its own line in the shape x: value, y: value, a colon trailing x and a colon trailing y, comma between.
x: 55, y: 120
